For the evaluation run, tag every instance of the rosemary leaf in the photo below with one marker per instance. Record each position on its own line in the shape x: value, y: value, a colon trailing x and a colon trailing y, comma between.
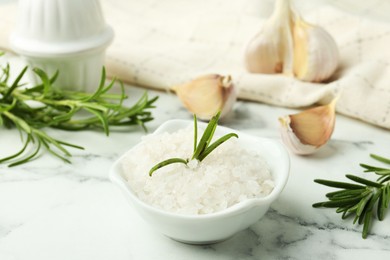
x: 45, y: 81
x: 337, y: 203
x: 167, y: 162
x: 372, y: 168
x: 367, y: 223
x: 380, y: 158
x: 362, y: 204
x: 28, y: 158
x: 336, y: 184
x: 14, y: 85
x: 26, y: 143
x: 195, y: 132
x: 207, y: 136
x: 102, y: 118
x: 216, y: 144
x: 343, y: 193
x: 363, y: 181
x: 346, y: 214
x: 381, y: 206
x: 384, y: 178
x: 99, y: 89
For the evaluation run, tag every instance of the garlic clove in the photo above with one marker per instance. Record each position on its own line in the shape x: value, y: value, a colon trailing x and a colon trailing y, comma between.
x: 263, y: 56
x: 316, y: 55
x: 308, y: 130
x: 270, y: 51
x: 206, y: 95
x: 291, y: 140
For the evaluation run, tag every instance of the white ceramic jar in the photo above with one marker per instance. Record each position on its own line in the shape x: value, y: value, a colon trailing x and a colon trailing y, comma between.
x: 66, y: 35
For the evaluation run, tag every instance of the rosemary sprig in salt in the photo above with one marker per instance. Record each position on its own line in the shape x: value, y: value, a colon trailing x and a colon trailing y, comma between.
x: 201, y: 149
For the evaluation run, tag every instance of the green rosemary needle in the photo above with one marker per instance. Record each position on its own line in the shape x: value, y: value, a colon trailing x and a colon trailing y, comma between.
x: 63, y: 110
x: 201, y: 149
x: 361, y: 198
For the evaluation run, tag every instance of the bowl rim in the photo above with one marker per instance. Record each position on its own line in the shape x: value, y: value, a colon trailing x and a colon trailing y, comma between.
x: 117, y: 178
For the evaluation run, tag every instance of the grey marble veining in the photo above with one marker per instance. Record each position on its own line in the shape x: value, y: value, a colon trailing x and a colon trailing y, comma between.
x: 52, y: 210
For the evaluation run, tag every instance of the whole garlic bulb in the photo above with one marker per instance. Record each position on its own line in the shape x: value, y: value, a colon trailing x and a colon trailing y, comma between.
x: 308, y: 130
x: 208, y: 94
x: 289, y: 45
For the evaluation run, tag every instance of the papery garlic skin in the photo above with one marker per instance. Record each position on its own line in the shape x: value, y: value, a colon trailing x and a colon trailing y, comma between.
x: 316, y: 55
x: 287, y: 44
x: 308, y: 130
x: 229, y: 96
x: 207, y: 95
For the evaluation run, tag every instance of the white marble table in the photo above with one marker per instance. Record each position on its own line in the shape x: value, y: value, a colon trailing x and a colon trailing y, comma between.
x: 51, y: 210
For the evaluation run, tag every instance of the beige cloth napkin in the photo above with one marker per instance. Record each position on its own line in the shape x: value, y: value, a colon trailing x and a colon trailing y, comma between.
x: 163, y: 43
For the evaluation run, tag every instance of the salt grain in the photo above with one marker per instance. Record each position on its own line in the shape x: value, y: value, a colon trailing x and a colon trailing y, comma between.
x: 228, y: 175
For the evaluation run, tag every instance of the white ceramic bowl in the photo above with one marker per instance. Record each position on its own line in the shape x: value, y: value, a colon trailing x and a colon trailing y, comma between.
x: 211, y: 228
x: 66, y: 35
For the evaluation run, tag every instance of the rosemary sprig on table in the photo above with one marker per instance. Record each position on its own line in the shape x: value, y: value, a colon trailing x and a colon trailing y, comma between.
x: 201, y: 149
x: 360, y: 199
x: 57, y: 108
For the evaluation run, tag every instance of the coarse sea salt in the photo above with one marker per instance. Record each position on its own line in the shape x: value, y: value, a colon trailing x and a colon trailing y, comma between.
x: 227, y: 176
